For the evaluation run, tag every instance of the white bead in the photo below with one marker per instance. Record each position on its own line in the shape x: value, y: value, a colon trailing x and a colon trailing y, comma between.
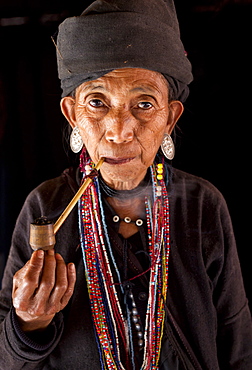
x: 87, y: 169
x: 139, y: 222
x: 135, y: 319
x: 134, y: 311
x: 116, y: 218
x: 140, y: 343
x: 127, y: 220
x: 138, y: 327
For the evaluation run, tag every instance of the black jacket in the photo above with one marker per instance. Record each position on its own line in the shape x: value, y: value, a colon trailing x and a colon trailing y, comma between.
x: 208, y: 321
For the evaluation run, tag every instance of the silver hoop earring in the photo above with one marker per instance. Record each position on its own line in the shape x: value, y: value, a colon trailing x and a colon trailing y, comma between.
x: 168, y: 147
x: 76, y: 142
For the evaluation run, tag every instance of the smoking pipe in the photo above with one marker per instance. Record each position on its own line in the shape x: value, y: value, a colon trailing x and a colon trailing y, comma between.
x: 42, y: 230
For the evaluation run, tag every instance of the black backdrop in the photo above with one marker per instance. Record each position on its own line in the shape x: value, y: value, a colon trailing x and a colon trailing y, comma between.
x: 213, y: 138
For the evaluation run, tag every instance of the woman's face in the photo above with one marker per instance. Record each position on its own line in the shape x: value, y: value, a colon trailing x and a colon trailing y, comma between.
x: 122, y: 117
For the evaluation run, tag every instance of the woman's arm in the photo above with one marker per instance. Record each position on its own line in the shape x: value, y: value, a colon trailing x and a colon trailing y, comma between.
x: 30, y: 327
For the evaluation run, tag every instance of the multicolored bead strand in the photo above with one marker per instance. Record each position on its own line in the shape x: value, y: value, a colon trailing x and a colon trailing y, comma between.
x: 112, y: 329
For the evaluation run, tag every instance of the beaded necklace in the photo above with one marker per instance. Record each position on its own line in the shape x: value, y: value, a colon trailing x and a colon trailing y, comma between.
x: 113, y: 329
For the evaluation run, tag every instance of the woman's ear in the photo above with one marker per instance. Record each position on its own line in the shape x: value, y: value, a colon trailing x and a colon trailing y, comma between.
x: 176, y: 108
x: 67, y: 106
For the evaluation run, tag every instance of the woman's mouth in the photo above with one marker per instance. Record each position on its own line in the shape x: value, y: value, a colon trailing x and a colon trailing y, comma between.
x: 117, y: 160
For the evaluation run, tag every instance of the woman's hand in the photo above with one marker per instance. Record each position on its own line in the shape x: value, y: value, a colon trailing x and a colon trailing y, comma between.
x: 42, y: 288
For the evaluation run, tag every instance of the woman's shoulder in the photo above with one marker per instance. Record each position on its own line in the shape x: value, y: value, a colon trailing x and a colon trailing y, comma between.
x: 178, y: 175
x: 189, y: 185
x: 54, y: 193
x: 66, y: 181
x: 197, y: 200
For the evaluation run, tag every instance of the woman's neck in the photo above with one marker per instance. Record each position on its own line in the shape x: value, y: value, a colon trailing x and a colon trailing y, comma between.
x: 128, y: 203
x: 133, y: 208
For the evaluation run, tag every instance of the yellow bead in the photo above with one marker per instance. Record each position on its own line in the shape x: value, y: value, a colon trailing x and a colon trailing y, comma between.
x: 159, y: 177
x: 160, y: 165
x: 160, y: 170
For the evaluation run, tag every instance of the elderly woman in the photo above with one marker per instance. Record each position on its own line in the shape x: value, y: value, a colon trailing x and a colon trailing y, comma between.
x: 145, y: 274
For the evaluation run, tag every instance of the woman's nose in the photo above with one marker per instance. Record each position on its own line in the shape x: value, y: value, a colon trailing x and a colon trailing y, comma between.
x: 120, y: 127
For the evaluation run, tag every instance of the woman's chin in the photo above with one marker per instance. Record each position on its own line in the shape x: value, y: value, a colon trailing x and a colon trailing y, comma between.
x: 121, y: 178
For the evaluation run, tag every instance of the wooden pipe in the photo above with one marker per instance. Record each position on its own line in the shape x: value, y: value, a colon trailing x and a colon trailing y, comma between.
x: 42, y: 231
x: 41, y: 234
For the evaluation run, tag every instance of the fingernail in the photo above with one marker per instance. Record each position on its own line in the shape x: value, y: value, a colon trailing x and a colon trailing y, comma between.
x: 40, y: 253
x: 71, y: 267
x: 58, y: 256
x: 50, y: 252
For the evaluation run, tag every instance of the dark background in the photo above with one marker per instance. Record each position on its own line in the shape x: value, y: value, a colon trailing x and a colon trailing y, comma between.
x: 213, y: 139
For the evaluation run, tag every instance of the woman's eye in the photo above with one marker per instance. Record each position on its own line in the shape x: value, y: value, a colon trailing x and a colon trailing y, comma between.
x: 144, y: 105
x: 96, y: 103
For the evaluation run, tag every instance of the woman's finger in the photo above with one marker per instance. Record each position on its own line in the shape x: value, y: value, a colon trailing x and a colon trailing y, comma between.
x: 26, y: 280
x: 71, y: 276
x: 46, y: 285
x: 60, y: 287
x: 47, y: 280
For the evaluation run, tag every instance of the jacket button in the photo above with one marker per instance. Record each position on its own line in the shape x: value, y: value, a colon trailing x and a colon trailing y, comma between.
x: 142, y: 296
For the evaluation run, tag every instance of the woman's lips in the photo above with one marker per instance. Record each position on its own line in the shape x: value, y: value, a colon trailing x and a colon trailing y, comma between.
x: 117, y: 160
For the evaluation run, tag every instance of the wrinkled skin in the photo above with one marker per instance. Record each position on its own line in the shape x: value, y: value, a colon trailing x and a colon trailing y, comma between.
x: 42, y: 288
x: 122, y: 117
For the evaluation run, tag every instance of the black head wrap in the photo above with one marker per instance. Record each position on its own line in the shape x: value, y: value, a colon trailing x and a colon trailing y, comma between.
x: 113, y: 34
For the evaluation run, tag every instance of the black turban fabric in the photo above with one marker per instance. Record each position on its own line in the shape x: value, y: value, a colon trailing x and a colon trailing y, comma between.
x: 113, y: 34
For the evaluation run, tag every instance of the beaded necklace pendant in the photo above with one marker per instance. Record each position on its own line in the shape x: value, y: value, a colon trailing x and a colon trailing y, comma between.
x: 114, y: 330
